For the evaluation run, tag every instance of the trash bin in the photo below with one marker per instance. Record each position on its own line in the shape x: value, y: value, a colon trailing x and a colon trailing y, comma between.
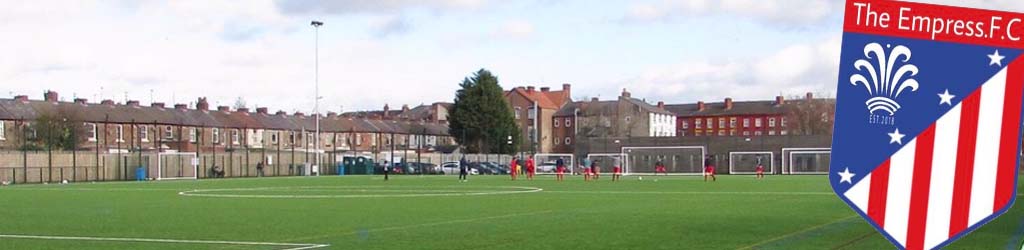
x: 341, y: 169
x: 140, y: 174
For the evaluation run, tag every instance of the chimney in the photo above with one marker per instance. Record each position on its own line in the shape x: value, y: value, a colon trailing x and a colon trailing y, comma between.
x: 700, y: 106
x: 223, y: 108
x: 529, y: 89
x: 180, y: 106
x: 779, y: 100
x: 21, y: 98
x: 566, y: 87
x: 545, y: 89
x: 387, y: 110
x: 728, y: 103
x: 661, y: 104
x: 625, y: 93
x: 107, y: 102
x: 202, y: 104
x: 299, y: 114
x: 82, y: 101
x: 242, y: 110
x: 157, y: 105
x: 594, y: 99
x: 50, y: 96
x: 133, y: 103
x: 281, y: 112
x: 405, y: 107
x: 261, y: 110
x: 810, y: 96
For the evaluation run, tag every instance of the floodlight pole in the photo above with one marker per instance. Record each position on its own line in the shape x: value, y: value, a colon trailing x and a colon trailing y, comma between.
x: 316, y: 88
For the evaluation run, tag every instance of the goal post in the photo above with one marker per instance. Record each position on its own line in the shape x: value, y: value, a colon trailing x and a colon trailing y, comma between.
x: 806, y: 160
x: 177, y: 166
x: 678, y: 160
x: 746, y: 162
x: 545, y: 163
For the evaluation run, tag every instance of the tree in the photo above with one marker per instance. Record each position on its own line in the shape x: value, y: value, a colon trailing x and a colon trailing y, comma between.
x: 239, y: 103
x: 57, y: 131
x: 810, y: 116
x: 481, y: 119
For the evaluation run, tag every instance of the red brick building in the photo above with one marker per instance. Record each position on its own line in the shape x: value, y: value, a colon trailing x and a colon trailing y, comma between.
x: 536, y: 127
x: 732, y: 118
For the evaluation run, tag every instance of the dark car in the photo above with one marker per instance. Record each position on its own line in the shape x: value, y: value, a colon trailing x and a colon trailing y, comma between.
x: 496, y: 168
x: 482, y: 168
x: 425, y: 168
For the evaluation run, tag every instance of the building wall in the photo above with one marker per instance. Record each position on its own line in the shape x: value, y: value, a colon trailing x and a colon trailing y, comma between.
x: 689, y: 126
x: 522, y: 105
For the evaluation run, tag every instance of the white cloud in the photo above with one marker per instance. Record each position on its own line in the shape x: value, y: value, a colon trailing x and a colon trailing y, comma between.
x: 782, y: 12
x: 372, y: 6
x: 515, y: 29
x: 809, y: 67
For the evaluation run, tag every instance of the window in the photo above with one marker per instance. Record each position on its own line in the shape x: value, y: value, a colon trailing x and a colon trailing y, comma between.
x: 144, y: 133
x: 684, y: 125
x: 120, y: 132
x: 746, y: 122
x: 711, y: 124
x: 783, y: 132
x: 771, y: 122
x: 273, y: 138
x: 557, y: 141
x: 216, y: 135
x: 746, y: 132
x: 721, y: 132
x: 517, y: 113
x: 291, y: 137
x: 557, y: 123
x: 771, y: 132
x: 92, y: 131
x: 628, y: 119
x: 568, y: 141
x: 568, y: 123
x: 721, y: 122
x: 732, y: 122
x: 169, y: 132
x: 193, y: 134
x: 696, y: 124
x: 757, y: 122
x: 3, y: 133
x: 732, y: 132
x: 698, y: 133
x: 234, y: 136
x: 359, y: 139
x: 783, y: 122
x: 757, y: 132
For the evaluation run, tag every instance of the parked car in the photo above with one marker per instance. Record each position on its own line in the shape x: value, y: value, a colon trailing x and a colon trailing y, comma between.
x: 495, y: 167
x: 426, y: 168
x: 452, y: 167
x: 547, y: 167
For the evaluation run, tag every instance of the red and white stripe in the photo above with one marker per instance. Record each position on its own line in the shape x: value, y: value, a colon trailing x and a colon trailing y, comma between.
x: 955, y: 173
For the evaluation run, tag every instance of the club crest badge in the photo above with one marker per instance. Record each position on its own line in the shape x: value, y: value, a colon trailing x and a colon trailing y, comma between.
x: 928, y: 118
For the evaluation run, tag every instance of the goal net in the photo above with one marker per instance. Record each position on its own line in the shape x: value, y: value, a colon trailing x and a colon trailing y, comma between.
x: 545, y: 163
x: 678, y: 160
x: 605, y: 161
x: 747, y: 162
x: 806, y: 160
x: 176, y: 166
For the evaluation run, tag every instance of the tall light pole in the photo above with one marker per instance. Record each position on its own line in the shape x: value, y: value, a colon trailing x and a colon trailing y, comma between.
x: 316, y: 89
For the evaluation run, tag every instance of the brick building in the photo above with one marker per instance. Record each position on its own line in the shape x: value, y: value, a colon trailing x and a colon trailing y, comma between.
x: 737, y: 118
x: 623, y: 117
x: 533, y: 110
x: 127, y: 127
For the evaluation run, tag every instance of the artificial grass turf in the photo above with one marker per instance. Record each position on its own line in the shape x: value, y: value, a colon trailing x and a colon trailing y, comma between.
x: 362, y: 212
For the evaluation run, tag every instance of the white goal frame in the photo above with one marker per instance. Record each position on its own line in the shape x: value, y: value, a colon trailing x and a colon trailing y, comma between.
x: 627, y: 169
x: 160, y: 162
x: 787, y: 158
x: 569, y: 165
x: 771, y: 161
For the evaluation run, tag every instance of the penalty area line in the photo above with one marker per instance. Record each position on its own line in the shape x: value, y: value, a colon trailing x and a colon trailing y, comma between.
x: 796, y: 233
x: 290, y: 246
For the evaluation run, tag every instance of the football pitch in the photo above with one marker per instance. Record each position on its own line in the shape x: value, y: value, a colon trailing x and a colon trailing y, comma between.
x: 437, y: 212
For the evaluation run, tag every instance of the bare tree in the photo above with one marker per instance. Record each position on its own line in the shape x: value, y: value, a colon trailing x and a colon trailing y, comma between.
x: 810, y: 116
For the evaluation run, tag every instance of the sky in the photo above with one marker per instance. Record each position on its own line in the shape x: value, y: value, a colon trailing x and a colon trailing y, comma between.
x: 395, y: 52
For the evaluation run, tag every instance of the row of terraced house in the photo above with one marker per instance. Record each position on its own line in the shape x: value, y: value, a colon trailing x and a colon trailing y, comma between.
x: 122, y: 127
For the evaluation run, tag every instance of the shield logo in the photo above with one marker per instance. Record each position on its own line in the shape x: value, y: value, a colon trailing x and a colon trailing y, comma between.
x: 927, y: 134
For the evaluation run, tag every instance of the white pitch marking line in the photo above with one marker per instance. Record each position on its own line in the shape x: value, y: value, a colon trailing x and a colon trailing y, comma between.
x: 293, y: 246
x: 205, y: 193
x: 691, y: 192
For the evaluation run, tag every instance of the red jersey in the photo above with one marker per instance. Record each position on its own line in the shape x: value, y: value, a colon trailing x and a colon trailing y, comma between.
x: 709, y: 169
x: 529, y: 165
x: 560, y: 169
x: 617, y: 169
x: 760, y: 168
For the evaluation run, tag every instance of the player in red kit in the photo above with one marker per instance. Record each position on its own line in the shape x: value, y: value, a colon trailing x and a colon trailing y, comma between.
x: 660, y: 168
x: 530, y: 169
x: 616, y: 173
x: 560, y: 169
x: 513, y: 168
x: 760, y: 169
x: 709, y: 169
